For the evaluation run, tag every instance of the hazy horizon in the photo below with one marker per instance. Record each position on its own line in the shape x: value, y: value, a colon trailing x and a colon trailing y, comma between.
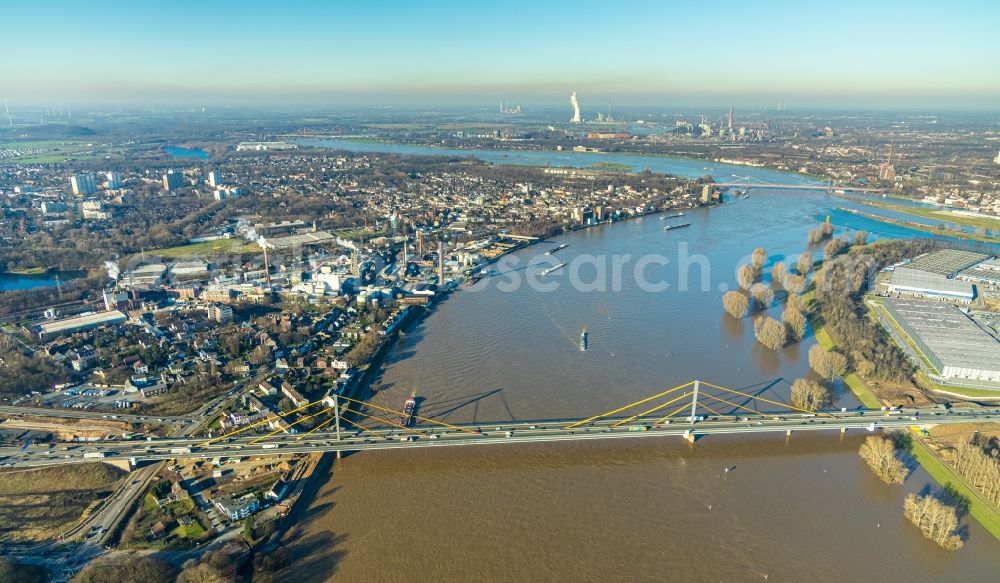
x: 847, y: 55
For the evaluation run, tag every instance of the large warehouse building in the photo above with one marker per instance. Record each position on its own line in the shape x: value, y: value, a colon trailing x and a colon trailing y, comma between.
x: 930, y: 285
x: 946, y: 262
x: 88, y: 321
x: 939, y: 275
x: 951, y: 341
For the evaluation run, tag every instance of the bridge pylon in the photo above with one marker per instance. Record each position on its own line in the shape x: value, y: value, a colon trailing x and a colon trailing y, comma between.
x: 694, y: 402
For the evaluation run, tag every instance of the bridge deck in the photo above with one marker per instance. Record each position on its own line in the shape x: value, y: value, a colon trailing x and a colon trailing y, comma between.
x: 481, y: 434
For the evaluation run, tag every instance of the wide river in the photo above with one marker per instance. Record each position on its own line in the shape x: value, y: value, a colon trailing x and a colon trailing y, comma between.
x: 800, y: 509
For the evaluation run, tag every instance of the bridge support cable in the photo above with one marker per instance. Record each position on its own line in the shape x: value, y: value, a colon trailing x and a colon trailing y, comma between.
x: 758, y: 398
x: 315, y: 429
x: 648, y: 411
x: 711, y: 410
x: 721, y: 400
x: 281, y: 429
x: 386, y: 421
x: 629, y: 406
x: 387, y: 410
x: 257, y: 424
x: 676, y: 411
x: 358, y: 425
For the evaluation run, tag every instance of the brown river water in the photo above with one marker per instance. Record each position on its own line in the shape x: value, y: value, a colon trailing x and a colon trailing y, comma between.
x: 803, y: 508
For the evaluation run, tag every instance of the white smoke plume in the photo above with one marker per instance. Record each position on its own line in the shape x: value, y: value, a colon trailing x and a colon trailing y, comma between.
x: 112, y: 269
x: 349, y: 244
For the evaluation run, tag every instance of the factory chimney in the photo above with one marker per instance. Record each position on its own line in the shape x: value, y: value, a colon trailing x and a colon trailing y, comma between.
x: 267, y: 266
x: 405, y: 258
x: 440, y: 263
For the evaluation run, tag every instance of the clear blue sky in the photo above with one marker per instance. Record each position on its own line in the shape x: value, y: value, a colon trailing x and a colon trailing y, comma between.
x: 875, y: 52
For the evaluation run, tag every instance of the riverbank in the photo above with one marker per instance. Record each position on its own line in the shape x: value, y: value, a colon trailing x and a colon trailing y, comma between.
x: 933, y: 214
x: 670, y: 164
x: 941, y: 232
x: 852, y: 380
x: 985, y: 513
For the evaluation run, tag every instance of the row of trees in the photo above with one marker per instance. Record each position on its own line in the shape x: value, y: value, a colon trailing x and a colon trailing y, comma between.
x: 981, y: 467
x: 840, y: 285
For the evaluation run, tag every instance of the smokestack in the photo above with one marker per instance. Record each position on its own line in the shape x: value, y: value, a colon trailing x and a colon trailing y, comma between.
x: 440, y: 263
x: 267, y: 267
x: 405, y: 258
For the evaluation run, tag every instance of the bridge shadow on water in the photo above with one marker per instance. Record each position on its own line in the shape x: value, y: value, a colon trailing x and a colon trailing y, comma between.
x: 443, y: 409
x: 753, y: 391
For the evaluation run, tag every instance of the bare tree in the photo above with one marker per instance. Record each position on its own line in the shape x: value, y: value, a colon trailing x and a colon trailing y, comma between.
x: 736, y: 304
x: 810, y: 395
x: 763, y: 294
x: 879, y: 452
x: 805, y: 263
x: 794, y: 284
x: 770, y: 332
x: 833, y: 248
x: 827, y: 364
x: 795, y: 302
x: 758, y: 258
x: 980, y: 466
x: 936, y: 519
x: 864, y: 367
x: 127, y: 569
x: 861, y: 238
x: 778, y: 272
x: 824, y: 231
x: 746, y: 276
x: 795, y: 322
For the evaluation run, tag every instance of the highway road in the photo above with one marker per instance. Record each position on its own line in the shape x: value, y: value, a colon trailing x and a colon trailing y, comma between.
x: 155, y: 449
x: 20, y: 411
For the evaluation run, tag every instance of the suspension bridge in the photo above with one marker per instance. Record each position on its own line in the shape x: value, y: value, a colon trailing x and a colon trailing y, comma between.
x: 342, y: 424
